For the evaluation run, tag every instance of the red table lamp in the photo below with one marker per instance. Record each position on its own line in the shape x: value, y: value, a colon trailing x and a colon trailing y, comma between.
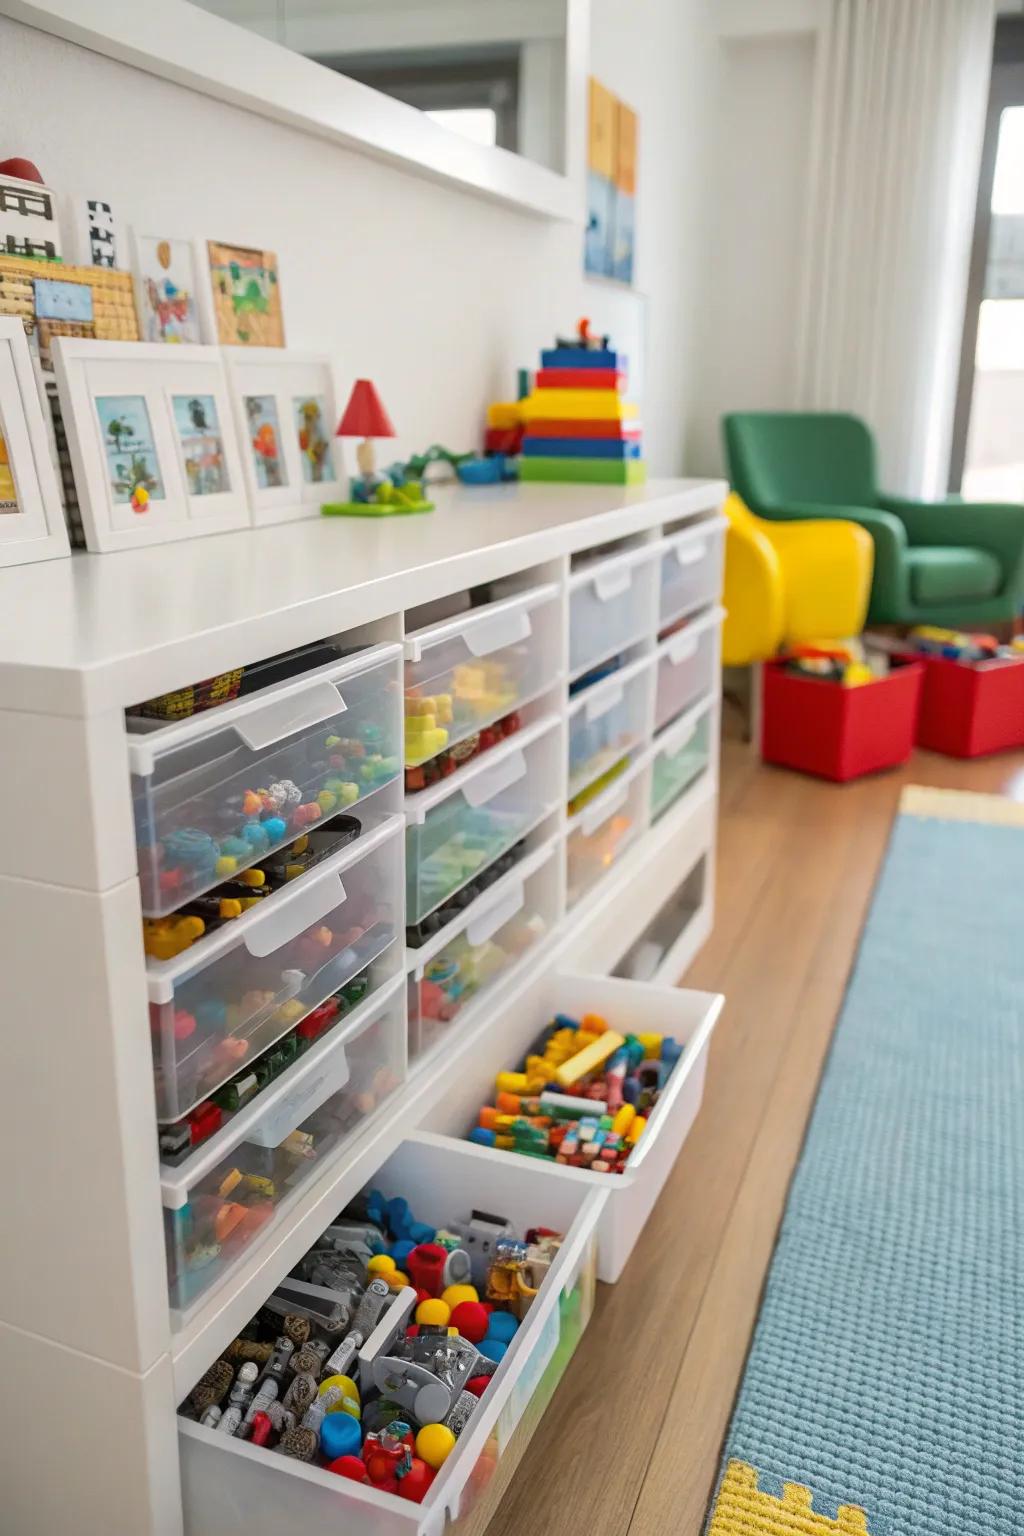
x: 365, y: 417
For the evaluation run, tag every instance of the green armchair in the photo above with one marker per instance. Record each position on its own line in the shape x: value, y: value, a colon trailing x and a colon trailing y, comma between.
x: 951, y: 563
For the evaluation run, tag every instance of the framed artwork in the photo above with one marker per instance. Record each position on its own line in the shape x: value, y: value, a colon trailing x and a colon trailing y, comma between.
x: 152, y: 442
x: 28, y: 220
x: 610, y: 239
x: 286, y: 413
x: 31, y: 519
x: 56, y: 300
x: 246, y: 295
x: 166, y: 288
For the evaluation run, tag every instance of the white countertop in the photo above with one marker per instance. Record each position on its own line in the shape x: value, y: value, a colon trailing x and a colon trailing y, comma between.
x: 97, y: 632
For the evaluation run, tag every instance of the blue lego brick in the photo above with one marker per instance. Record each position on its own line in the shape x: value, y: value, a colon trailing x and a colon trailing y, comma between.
x: 582, y: 447
x: 579, y: 357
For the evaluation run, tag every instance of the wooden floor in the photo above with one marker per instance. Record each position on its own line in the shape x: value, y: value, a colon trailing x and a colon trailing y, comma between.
x: 630, y: 1443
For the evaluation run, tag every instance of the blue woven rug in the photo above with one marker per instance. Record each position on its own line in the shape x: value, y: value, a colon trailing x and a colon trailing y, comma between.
x: 884, y: 1392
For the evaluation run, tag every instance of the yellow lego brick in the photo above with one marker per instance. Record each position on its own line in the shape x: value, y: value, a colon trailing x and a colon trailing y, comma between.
x: 505, y: 414
x: 577, y: 405
x: 589, y: 1058
x: 651, y: 1045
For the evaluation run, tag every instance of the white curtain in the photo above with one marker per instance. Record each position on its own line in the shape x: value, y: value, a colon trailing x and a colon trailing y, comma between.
x: 899, y: 115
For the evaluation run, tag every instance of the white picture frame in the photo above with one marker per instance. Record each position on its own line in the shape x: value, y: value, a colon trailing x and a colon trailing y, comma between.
x: 31, y: 517
x: 144, y: 417
x: 283, y: 377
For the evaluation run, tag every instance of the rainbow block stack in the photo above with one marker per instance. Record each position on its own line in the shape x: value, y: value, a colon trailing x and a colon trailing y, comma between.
x: 578, y: 425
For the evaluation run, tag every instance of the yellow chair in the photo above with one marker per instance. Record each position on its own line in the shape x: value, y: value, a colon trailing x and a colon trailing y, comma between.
x: 791, y: 583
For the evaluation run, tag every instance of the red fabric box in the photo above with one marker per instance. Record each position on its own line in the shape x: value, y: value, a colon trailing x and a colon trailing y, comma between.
x: 971, y: 708
x: 839, y: 733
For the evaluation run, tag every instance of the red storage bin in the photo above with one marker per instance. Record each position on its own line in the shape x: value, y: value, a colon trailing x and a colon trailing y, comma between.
x: 971, y: 708
x: 839, y: 733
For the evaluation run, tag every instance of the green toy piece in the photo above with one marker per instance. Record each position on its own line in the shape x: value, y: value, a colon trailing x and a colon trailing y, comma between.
x: 387, y: 501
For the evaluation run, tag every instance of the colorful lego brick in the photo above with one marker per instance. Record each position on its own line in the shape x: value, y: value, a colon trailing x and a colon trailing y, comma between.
x: 580, y: 357
x: 580, y: 378
x: 582, y: 447
x: 505, y: 414
x: 567, y: 427
x: 585, y: 471
x: 588, y: 404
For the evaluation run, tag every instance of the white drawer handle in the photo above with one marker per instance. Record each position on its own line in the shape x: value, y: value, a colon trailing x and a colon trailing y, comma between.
x: 497, y: 632
x: 279, y: 718
x: 691, y: 554
x: 293, y: 912
x: 302, y: 1101
x: 487, y: 924
x: 683, y: 739
x: 682, y: 648
x: 609, y: 584
x: 595, y: 816
x: 603, y: 702
x: 485, y: 786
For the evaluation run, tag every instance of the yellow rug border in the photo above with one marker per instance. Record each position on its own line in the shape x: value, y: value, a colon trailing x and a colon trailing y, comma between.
x: 960, y: 805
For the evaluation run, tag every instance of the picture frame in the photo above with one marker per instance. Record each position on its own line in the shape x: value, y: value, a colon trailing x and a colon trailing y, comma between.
x: 286, y: 480
x: 241, y: 295
x: 31, y: 519
x: 167, y: 275
x: 152, y: 439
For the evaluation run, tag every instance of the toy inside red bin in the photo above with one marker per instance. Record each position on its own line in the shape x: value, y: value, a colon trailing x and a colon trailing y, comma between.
x: 828, y: 713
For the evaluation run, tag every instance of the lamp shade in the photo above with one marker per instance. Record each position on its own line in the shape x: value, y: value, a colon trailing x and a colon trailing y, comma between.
x: 365, y: 415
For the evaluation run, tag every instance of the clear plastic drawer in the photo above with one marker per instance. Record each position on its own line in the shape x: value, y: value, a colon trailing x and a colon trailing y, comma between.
x: 463, y: 675
x: 458, y: 828
x: 237, y: 1185
x: 599, y: 834
x: 488, y: 939
x: 612, y: 603
x: 225, y: 1000
x: 608, y: 721
x: 687, y: 668
x: 217, y: 792
x: 680, y: 756
x: 691, y: 571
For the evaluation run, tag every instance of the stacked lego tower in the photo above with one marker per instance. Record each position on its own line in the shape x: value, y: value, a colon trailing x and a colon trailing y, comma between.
x: 579, y: 426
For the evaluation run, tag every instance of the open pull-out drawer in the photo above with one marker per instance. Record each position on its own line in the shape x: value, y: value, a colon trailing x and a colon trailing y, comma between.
x: 627, y: 1007
x: 230, y: 1485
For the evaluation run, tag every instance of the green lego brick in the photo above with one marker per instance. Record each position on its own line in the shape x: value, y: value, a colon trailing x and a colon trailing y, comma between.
x: 587, y: 471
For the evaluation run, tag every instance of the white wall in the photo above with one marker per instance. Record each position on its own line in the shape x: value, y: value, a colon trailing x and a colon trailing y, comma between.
x: 436, y: 294
x: 750, y: 281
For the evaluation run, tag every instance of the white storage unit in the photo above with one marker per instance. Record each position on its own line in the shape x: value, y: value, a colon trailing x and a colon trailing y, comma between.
x: 85, y: 639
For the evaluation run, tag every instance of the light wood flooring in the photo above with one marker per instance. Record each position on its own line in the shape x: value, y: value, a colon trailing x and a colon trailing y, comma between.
x: 630, y: 1443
